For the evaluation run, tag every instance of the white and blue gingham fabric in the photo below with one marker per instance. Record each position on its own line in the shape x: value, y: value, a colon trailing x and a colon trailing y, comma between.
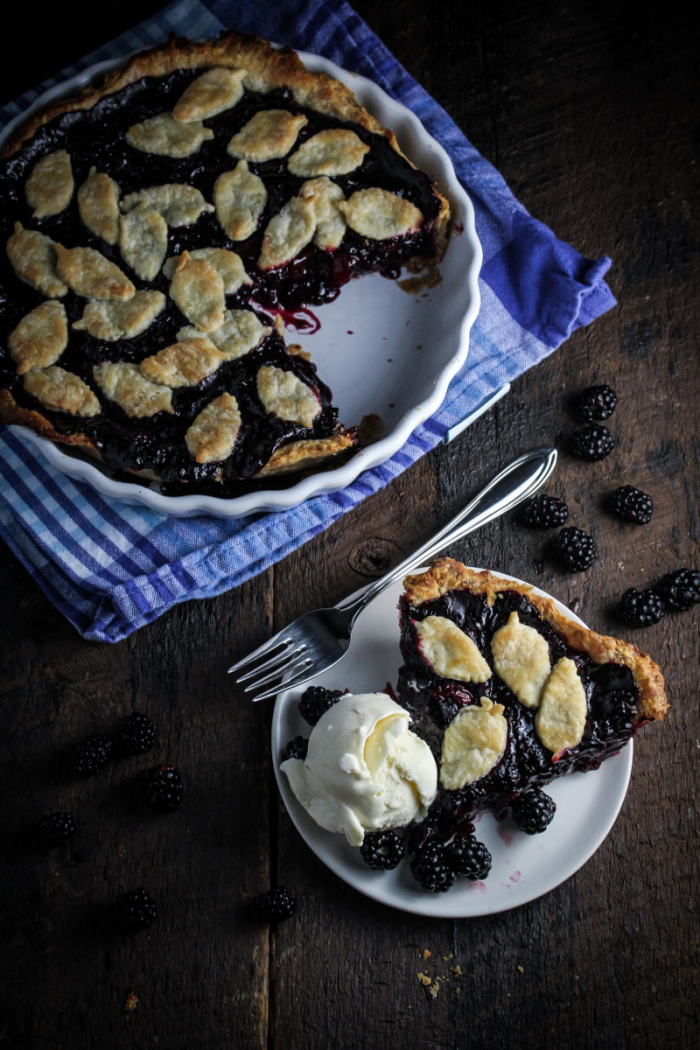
x: 111, y: 567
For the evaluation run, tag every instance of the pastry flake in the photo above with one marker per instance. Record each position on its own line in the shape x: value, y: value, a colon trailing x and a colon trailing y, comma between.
x: 112, y: 320
x: 167, y: 137
x: 270, y: 134
x: 239, y: 198
x: 126, y: 385
x: 143, y: 240
x: 450, y: 652
x: 50, y: 185
x: 323, y: 195
x: 88, y: 273
x: 40, y: 337
x: 240, y: 333
x: 183, y: 364
x: 380, y: 215
x: 33, y: 258
x: 287, y: 234
x: 212, y: 437
x: 198, y: 290
x: 521, y: 659
x: 561, y: 718
x: 285, y: 395
x: 474, y: 743
x: 210, y: 94
x: 336, y: 151
x: 98, y: 204
x: 227, y: 264
x: 179, y: 203
x: 63, y: 391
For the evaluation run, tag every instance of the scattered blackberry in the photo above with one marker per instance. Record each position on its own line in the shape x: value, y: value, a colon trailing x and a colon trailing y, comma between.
x: 631, y: 505
x: 533, y: 812
x: 594, y: 442
x: 680, y: 590
x: 597, y: 402
x: 296, y: 748
x: 134, y: 910
x: 545, y: 512
x: 469, y: 857
x: 446, y: 700
x: 56, y: 829
x: 277, y: 905
x: 641, y: 608
x: 431, y: 867
x: 137, y: 735
x: 576, y: 549
x: 91, y: 755
x: 163, y: 788
x: 316, y: 700
x: 382, y: 850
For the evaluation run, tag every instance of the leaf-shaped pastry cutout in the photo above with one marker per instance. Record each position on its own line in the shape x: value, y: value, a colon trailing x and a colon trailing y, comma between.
x: 126, y: 385
x: 183, y: 364
x: 33, y: 258
x: 40, y: 337
x: 336, y: 151
x: 227, y: 264
x: 179, y: 203
x: 287, y: 233
x: 63, y: 391
x: 199, y: 292
x: 98, y: 203
x: 561, y: 719
x: 269, y: 134
x: 324, y: 195
x: 240, y: 198
x: 113, y: 321
x: 380, y: 215
x: 450, y: 652
x: 210, y: 94
x: 285, y: 395
x: 167, y: 137
x: 521, y: 659
x: 240, y: 333
x: 50, y: 185
x: 88, y: 273
x: 474, y: 743
x: 213, y: 434
x: 143, y: 240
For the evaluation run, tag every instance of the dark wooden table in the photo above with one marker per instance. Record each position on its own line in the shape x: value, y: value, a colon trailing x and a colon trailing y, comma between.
x: 591, y: 116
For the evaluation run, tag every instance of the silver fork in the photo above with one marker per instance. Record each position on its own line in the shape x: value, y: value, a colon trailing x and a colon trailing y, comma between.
x: 316, y: 640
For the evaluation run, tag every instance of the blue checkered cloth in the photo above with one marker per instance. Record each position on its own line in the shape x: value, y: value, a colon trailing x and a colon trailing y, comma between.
x: 112, y: 567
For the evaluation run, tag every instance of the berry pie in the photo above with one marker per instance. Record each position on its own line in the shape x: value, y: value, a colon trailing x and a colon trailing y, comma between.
x: 156, y: 230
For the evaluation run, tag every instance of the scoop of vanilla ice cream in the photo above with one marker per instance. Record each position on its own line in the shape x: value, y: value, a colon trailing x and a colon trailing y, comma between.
x: 364, y: 770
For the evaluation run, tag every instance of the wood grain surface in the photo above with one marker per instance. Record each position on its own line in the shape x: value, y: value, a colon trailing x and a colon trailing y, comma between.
x: 590, y: 113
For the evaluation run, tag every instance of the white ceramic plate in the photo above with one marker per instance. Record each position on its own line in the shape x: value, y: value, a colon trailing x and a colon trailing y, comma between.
x: 379, y: 349
x: 524, y: 866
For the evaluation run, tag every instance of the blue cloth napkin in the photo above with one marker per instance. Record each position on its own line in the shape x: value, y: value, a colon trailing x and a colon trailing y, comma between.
x: 111, y: 567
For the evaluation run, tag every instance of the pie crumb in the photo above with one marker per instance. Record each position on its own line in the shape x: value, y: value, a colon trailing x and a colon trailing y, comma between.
x: 426, y: 953
x: 424, y: 979
x: 131, y: 1003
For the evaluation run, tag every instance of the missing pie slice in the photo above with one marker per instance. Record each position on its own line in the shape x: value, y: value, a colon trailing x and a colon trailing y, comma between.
x: 154, y: 226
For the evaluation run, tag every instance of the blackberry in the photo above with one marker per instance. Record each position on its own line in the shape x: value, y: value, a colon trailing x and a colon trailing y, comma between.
x: 137, y: 735
x: 134, y: 910
x: 296, y: 748
x: 431, y: 867
x: 631, y: 504
x: 641, y: 608
x: 469, y: 857
x: 597, y: 402
x: 163, y: 788
x: 576, y: 549
x: 446, y: 700
x: 277, y: 905
x: 545, y: 512
x: 382, y: 850
x: 56, y: 829
x: 91, y: 755
x: 594, y: 442
x: 533, y: 811
x: 680, y: 590
x: 316, y: 700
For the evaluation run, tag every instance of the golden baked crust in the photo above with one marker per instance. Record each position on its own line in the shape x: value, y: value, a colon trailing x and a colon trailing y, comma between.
x: 448, y: 575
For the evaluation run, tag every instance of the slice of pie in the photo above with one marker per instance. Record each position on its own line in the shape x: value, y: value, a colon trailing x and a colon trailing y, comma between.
x: 153, y: 228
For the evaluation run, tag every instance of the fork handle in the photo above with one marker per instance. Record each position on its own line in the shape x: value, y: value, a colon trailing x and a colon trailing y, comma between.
x: 511, y: 486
